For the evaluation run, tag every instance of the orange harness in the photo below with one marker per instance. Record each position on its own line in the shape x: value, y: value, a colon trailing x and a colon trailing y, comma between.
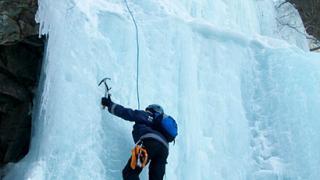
x: 139, y: 157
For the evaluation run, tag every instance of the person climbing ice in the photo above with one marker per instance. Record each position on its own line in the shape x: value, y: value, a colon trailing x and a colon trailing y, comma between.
x: 152, y: 132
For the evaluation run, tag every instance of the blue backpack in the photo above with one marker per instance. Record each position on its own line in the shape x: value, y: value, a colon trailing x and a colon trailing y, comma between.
x: 167, y: 126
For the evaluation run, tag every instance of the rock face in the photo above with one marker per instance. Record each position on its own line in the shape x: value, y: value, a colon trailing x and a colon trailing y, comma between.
x: 309, y: 11
x: 20, y: 59
x: 310, y: 14
x: 17, y: 20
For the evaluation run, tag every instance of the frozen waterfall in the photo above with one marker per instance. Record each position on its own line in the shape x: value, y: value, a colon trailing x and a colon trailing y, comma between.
x: 245, y: 92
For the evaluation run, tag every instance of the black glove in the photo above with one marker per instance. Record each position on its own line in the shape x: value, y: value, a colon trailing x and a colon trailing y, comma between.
x: 106, y: 101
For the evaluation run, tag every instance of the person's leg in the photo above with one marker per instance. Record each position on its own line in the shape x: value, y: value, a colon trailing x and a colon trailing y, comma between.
x: 130, y: 174
x: 157, y: 169
x: 158, y: 162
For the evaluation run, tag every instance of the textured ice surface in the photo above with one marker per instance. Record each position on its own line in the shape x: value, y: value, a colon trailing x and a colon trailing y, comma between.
x: 247, y: 102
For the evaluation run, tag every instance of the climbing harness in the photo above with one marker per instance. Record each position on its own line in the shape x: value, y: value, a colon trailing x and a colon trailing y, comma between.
x: 139, y: 157
x: 138, y: 50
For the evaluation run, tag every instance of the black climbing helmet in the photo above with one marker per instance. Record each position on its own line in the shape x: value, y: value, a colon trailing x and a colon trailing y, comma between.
x: 155, y: 108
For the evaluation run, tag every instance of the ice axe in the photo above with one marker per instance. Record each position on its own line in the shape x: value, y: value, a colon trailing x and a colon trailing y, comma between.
x: 107, y: 88
x: 104, y: 81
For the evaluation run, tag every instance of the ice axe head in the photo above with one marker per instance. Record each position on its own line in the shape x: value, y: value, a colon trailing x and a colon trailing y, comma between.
x: 104, y: 81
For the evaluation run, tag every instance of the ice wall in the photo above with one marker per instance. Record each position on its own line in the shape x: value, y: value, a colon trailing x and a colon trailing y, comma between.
x: 246, y: 102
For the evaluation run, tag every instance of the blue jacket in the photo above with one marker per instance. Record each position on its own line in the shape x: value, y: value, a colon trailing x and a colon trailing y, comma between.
x: 143, y: 127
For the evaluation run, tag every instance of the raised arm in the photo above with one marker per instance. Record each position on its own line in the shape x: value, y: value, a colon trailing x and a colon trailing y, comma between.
x: 122, y: 112
x: 128, y: 114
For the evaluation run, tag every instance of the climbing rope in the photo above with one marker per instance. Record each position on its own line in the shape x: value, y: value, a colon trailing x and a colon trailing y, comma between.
x: 138, y: 53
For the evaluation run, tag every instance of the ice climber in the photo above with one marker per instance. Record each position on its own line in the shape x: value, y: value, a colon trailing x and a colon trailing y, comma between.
x: 152, y: 132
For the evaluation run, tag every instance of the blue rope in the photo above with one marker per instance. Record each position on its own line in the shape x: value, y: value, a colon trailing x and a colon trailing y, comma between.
x: 138, y: 51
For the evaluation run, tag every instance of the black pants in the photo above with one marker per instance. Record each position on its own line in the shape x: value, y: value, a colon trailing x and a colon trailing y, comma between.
x: 157, y: 156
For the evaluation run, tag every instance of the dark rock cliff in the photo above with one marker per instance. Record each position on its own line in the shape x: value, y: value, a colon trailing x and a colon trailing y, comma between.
x: 309, y: 11
x: 21, y: 54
